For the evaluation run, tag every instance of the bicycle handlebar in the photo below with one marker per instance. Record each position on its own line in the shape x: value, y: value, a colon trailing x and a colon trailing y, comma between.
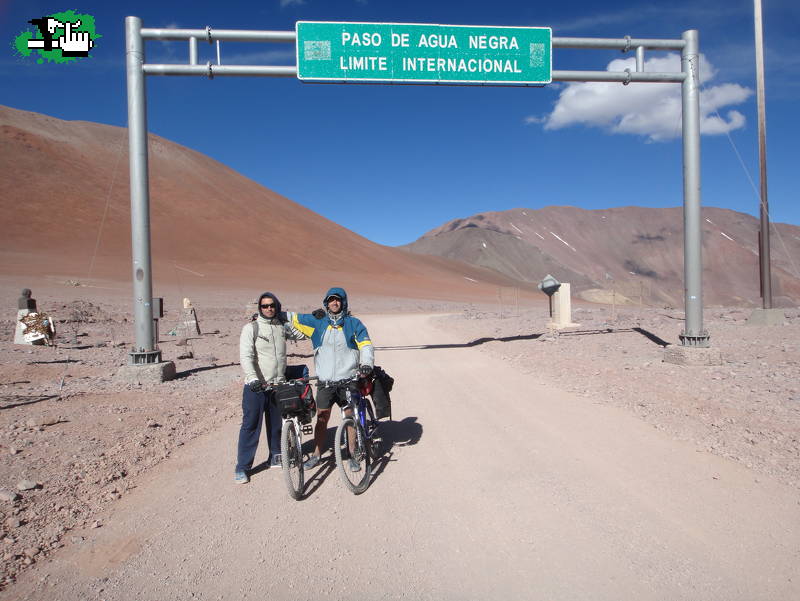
x: 292, y: 382
x: 337, y: 383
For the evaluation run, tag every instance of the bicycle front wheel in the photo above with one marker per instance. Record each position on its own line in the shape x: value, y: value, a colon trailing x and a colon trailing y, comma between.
x: 355, y: 467
x: 292, y: 459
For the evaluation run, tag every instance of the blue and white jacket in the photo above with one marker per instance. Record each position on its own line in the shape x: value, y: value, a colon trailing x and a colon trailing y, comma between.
x: 341, y: 342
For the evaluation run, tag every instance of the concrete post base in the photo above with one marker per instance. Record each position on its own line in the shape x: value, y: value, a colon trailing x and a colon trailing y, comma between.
x: 692, y: 355
x: 562, y: 309
x: 147, y: 373
x: 766, y: 317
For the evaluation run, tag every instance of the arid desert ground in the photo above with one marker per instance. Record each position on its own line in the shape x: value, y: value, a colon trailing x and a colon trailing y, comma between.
x: 520, y: 462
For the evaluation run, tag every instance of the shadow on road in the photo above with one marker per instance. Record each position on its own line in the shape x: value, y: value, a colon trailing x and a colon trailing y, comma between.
x: 325, y: 468
x: 54, y: 361
x: 20, y: 400
x: 649, y: 335
x: 183, y: 374
x: 404, y: 433
x: 478, y: 341
x: 652, y: 337
x: 471, y: 343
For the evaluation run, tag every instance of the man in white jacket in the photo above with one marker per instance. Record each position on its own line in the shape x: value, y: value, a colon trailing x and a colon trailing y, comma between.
x: 262, y: 354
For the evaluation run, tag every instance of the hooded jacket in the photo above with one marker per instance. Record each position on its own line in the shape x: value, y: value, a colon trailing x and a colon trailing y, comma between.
x: 264, y: 358
x: 341, y: 342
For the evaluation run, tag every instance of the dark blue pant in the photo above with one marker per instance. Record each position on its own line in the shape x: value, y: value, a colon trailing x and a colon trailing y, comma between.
x: 254, y: 406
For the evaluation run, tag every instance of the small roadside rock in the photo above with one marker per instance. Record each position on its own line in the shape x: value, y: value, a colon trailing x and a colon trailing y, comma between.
x: 26, y: 485
x: 13, y: 522
x: 8, y: 495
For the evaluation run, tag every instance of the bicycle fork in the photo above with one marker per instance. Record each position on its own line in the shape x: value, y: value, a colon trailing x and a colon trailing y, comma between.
x: 359, y: 444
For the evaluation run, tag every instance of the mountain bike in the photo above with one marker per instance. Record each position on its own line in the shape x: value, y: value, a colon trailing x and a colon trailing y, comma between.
x: 357, y: 443
x: 297, y: 411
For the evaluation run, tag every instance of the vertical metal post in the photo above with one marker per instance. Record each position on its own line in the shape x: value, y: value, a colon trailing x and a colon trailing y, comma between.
x: 693, y: 333
x: 640, y: 59
x: 764, y: 250
x: 143, y: 351
x: 192, y: 51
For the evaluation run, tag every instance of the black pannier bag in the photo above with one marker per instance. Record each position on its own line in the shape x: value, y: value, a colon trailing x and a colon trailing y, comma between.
x: 381, y: 387
x: 295, y: 399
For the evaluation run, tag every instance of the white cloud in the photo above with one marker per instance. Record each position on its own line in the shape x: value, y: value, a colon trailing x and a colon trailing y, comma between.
x: 647, y: 109
x: 534, y: 119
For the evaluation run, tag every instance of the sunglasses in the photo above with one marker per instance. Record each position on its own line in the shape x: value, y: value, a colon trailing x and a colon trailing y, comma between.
x: 334, y: 298
x: 269, y: 306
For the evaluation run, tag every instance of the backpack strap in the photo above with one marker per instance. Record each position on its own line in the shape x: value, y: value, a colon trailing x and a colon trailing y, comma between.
x: 255, y: 334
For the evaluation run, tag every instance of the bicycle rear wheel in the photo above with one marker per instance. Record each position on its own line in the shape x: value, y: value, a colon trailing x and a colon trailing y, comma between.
x: 357, y: 481
x: 292, y: 459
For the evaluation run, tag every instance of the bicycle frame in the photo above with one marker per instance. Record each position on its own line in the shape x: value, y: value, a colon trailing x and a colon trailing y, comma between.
x: 363, y: 411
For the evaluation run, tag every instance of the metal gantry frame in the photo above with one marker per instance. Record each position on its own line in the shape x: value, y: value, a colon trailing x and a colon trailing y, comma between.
x: 145, y: 349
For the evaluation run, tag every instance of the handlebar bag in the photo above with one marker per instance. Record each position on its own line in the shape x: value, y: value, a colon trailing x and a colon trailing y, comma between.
x: 293, y: 398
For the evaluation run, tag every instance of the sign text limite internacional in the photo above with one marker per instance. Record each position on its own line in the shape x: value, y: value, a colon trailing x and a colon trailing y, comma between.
x: 410, y: 53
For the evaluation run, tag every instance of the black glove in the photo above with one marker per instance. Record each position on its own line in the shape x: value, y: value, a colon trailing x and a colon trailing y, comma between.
x: 256, y: 386
x: 319, y: 313
x: 364, y: 370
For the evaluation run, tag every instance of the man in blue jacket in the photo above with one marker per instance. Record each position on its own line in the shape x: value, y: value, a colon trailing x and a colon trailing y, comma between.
x: 342, y: 349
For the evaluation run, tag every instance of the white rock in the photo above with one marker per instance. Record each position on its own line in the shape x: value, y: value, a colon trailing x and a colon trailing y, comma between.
x: 8, y: 495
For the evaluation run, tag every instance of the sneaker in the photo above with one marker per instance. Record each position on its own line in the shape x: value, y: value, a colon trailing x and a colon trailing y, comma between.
x: 311, y: 462
x: 241, y: 477
x: 276, y: 460
x: 355, y: 466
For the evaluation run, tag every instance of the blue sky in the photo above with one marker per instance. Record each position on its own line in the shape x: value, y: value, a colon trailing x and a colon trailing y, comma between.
x: 391, y: 162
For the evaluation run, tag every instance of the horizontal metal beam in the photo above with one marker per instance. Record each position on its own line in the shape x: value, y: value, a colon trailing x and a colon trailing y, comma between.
x: 291, y: 71
x: 213, y: 35
x: 238, y: 35
x: 215, y: 70
x: 618, y: 44
x: 621, y: 76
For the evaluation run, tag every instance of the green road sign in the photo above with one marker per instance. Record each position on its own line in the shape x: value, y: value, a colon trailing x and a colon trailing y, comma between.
x: 428, y: 54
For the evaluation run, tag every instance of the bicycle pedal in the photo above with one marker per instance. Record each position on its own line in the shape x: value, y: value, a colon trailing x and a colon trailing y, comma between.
x: 307, y: 429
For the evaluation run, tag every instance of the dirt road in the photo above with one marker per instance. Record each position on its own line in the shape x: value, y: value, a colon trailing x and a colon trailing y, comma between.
x: 495, y: 486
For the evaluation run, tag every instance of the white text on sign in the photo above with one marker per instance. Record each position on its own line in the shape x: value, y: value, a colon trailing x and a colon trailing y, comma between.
x: 480, y: 42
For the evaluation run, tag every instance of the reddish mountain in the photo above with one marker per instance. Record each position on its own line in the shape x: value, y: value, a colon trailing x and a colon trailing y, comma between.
x: 66, y: 209
x: 632, y: 250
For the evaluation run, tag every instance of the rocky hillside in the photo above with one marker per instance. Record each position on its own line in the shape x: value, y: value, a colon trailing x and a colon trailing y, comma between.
x: 66, y: 207
x: 627, y: 252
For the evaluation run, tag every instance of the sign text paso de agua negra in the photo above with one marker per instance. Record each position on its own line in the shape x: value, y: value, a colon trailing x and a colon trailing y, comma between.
x: 416, y: 53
